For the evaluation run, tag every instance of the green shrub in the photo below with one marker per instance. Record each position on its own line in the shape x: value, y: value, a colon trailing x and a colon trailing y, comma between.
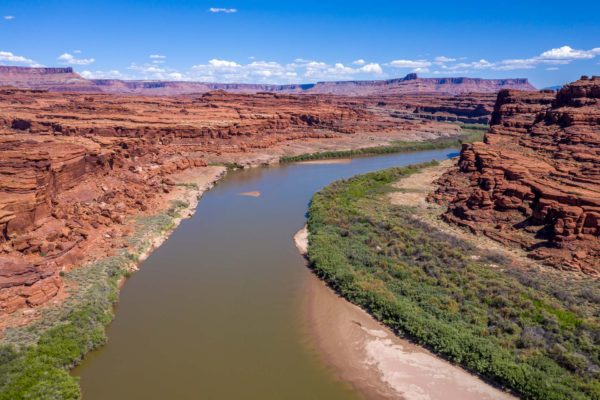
x: 516, y: 327
x: 36, y: 361
x: 468, y: 135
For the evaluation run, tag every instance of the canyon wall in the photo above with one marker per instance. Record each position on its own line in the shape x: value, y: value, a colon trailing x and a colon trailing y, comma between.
x: 74, y: 168
x: 535, y: 181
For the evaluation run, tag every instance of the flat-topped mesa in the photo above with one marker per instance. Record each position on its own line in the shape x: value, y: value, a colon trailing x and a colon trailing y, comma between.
x: 412, y: 83
x: 58, y: 79
x: 4, y: 69
x: 65, y: 79
x: 535, y: 182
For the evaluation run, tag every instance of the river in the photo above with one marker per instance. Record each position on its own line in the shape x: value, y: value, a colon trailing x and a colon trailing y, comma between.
x: 216, y: 311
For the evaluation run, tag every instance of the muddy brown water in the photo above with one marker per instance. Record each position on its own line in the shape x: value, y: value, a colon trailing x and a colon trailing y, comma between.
x: 215, y: 312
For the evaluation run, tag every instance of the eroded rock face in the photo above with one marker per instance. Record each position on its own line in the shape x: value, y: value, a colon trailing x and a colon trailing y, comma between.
x: 535, y: 182
x: 75, y: 167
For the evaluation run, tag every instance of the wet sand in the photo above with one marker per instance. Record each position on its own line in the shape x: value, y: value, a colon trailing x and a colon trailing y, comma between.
x: 373, y: 359
x: 253, y: 193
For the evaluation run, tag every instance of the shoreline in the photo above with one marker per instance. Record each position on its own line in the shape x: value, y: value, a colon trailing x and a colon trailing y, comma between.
x: 105, y: 276
x: 192, y: 197
x: 371, y: 358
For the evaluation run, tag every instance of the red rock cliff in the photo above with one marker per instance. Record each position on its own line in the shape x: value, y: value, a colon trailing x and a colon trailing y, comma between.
x: 74, y: 167
x: 535, y: 182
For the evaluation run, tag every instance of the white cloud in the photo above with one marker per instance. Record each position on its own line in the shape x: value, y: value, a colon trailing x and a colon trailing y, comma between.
x: 372, y: 68
x: 146, y: 69
x: 69, y: 59
x: 421, y: 70
x: 223, y: 63
x: 9, y: 17
x: 558, y: 56
x: 443, y: 60
x: 410, y: 63
x: 157, y: 58
x: 300, y: 70
x: 7, y: 56
x: 76, y: 51
x: 112, y: 74
x: 509, y: 65
x: 223, y: 10
x: 303, y: 70
x: 552, y: 69
x: 568, y: 53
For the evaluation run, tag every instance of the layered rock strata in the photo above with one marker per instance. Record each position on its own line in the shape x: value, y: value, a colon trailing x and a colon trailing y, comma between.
x: 75, y: 168
x: 65, y: 79
x: 535, y: 181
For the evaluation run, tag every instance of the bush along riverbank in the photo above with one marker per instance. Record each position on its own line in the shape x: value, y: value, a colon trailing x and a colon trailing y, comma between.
x: 469, y: 134
x: 36, y: 361
x: 536, y: 336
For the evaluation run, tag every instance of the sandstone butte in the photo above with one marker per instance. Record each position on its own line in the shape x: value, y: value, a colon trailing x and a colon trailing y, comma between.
x: 535, y: 181
x: 75, y: 167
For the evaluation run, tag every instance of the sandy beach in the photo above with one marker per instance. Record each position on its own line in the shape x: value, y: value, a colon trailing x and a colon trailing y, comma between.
x: 369, y: 356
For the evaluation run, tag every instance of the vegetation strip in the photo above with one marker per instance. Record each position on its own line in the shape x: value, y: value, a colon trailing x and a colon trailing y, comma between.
x: 470, y: 134
x: 37, y: 366
x: 535, y: 336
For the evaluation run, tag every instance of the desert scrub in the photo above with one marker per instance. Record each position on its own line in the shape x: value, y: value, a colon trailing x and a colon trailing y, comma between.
x: 535, y: 336
x: 481, y: 127
x: 35, y: 360
x: 467, y: 135
x: 191, y: 185
x: 231, y: 166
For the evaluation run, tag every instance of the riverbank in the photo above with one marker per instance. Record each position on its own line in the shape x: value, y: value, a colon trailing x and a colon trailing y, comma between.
x: 40, y: 345
x: 102, y: 242
x: 36, y: 356
x: 373, y: 240
x: 369, y: 356
x: 467, y: 135
x: 77, y: 319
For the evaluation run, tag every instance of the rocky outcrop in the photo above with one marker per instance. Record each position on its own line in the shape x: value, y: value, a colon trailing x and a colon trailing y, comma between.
x: 535, y: 182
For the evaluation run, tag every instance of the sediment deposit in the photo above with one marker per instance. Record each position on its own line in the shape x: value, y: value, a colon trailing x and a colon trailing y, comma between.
x: 535, y: 182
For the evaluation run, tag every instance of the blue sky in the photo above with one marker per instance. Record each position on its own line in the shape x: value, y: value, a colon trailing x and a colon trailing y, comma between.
x: 549, y: 42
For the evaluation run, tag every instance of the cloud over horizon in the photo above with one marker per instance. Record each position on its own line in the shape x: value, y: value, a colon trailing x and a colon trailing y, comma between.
x: 69, y: 59
x: 306, y: 70
x: 8, y: 56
